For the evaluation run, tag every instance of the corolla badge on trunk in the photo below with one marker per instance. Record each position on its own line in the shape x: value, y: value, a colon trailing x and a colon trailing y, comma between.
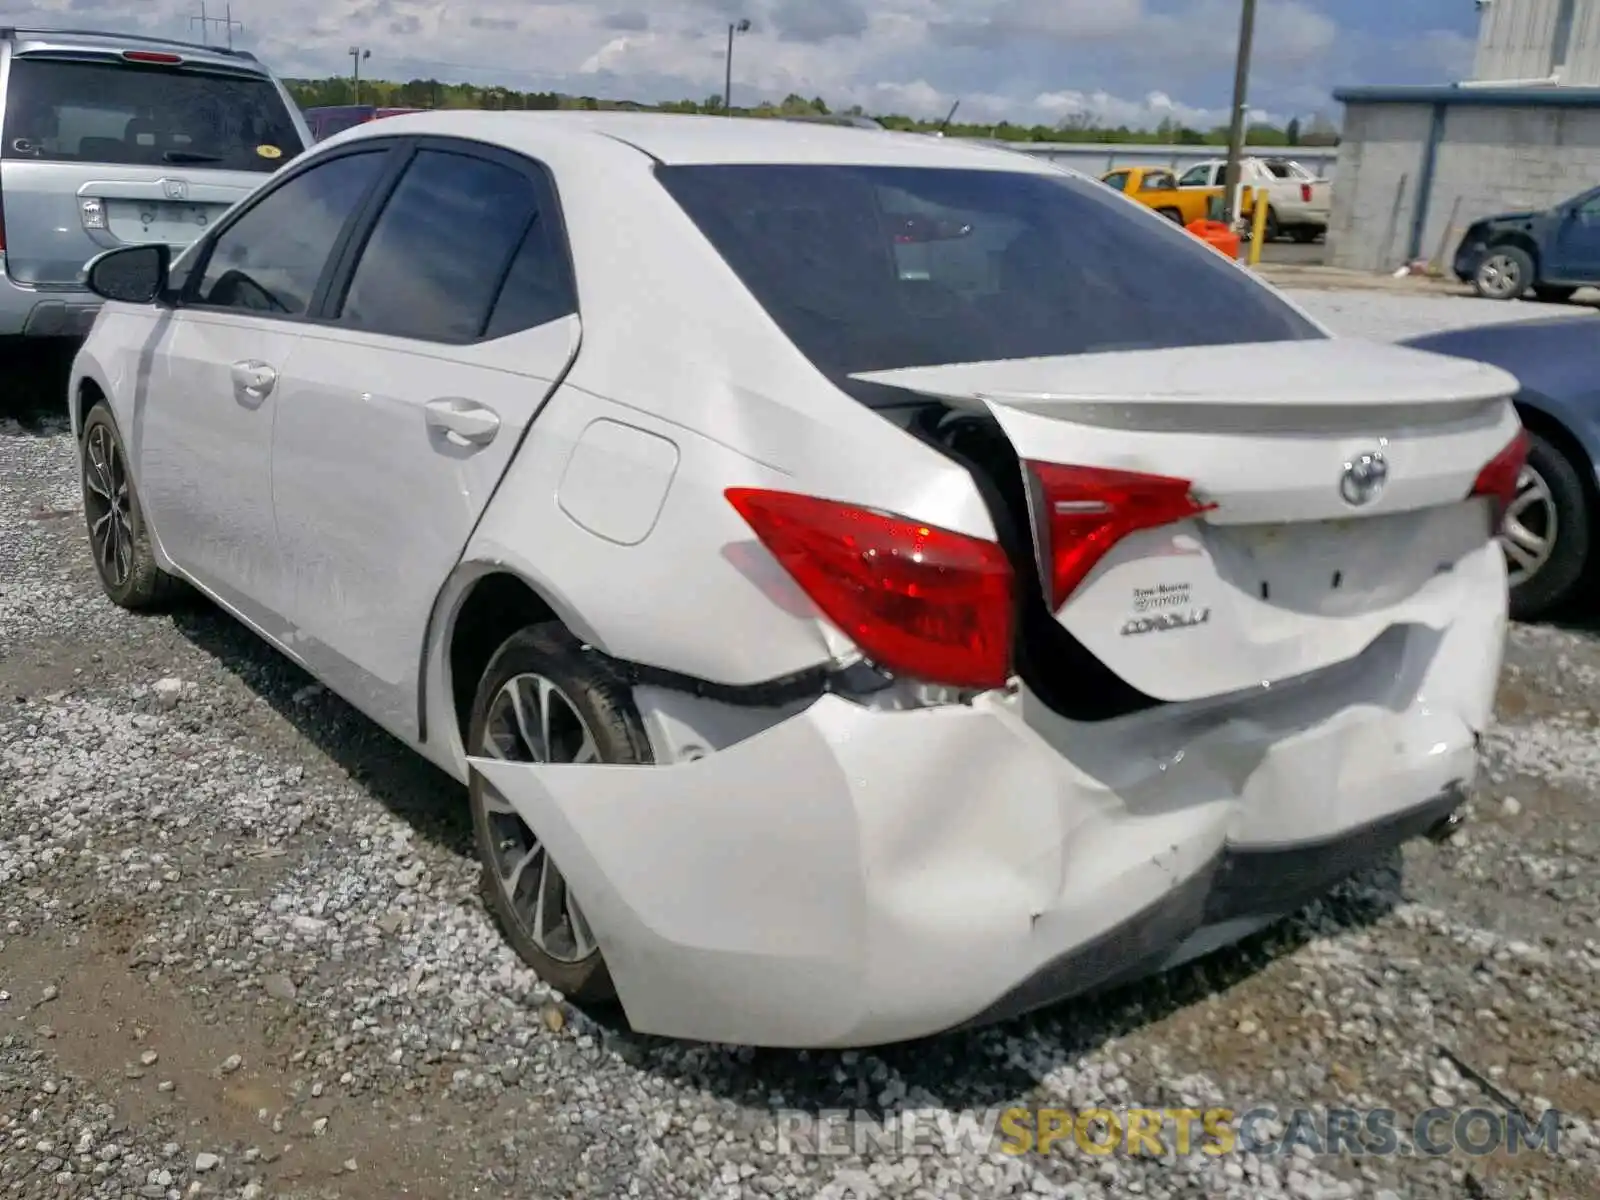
x: 1363, y: 478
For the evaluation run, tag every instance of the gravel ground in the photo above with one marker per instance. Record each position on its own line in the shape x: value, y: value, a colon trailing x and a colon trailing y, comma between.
x: 242, y: 955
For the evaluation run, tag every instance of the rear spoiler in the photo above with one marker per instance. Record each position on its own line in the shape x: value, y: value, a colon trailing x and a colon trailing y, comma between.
x: 10, y: 33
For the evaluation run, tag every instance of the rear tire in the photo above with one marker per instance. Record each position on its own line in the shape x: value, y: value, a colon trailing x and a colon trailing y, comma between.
x: 1506, y: 273
x: 1271, y: 231
x: 590, y: 717
x: 1172, y: 214
x: 1553, y: 507
x: 1305, y: 234
x: 119, y: 540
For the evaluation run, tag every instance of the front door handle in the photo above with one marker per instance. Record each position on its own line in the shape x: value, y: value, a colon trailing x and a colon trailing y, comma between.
x: 254, y: 377
x: 463, y: 422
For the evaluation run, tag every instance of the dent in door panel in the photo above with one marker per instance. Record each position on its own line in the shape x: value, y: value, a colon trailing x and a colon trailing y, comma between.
x: 616, y: 481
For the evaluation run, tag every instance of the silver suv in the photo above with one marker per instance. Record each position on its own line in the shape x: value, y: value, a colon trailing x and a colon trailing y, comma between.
x: 108, y: 139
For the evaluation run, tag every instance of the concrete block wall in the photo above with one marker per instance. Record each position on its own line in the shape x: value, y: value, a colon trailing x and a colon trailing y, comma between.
x: 1504, y: 159
x: 1492, y: 159
x: 1379, y: 156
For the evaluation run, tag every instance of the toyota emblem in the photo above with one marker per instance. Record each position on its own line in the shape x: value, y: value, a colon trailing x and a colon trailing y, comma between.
x: 174, y: 189
x: 1363, y: 478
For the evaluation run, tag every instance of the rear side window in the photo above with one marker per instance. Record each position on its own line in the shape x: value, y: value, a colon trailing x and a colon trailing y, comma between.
x: 1001, y: 264
x: 271, y: 259
x: 440, y: 250
x: 140, y: 115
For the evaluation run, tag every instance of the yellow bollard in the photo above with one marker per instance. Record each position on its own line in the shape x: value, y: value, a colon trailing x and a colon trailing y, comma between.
x: 1258, y: 229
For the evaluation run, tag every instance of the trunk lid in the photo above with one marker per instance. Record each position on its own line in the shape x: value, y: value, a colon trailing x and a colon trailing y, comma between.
x: 1282, y: 573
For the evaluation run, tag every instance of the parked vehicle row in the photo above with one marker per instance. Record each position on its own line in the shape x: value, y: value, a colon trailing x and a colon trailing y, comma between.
x: 327, y: 120
x: 1297, y: 200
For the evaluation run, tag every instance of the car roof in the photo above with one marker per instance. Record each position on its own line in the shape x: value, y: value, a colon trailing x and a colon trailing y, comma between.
x: 33, y: 39
x: 676, y: 139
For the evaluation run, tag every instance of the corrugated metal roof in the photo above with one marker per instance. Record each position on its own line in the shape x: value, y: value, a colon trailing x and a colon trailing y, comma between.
x: 1531, y: 97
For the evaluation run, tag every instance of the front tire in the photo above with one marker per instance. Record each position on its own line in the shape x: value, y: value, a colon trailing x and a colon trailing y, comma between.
x: 1506, y: 273
x: 119, y: 539
x: 1545, y: 536
x: 543, y: 698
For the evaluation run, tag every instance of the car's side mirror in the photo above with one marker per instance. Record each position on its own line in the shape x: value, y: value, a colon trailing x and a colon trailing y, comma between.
x: 130, y: 274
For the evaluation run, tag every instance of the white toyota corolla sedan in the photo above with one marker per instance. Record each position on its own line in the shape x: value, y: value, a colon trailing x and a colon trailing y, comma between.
x: 868, y: 585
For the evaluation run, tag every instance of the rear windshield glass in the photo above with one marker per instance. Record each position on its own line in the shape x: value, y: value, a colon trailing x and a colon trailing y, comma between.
x: 139, y: 115
x: 876, y: 268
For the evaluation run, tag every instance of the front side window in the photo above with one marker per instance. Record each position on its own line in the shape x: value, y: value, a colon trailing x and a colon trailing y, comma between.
x: 139, y: 115
x: 271, y: 259
x: 438, y: 254
x: 1007, y: 265
x: 1118, y: 180
x: 1158, y: 181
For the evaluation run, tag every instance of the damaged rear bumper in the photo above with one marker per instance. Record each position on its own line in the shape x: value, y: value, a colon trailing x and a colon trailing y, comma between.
x: 852, y: 876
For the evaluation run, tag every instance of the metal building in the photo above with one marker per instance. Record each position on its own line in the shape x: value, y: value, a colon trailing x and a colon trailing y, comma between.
x: 1530, y: 42
x: 1417, y: 165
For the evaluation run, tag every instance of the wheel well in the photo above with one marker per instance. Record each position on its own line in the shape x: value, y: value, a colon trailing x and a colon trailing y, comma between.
x: 89, y: 394
x: 1558, y: 435
x: 497, y: 606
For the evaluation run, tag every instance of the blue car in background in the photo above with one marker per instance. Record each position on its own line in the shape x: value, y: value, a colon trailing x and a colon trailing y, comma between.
x: 1551, y: 253
x: 1550, y: 531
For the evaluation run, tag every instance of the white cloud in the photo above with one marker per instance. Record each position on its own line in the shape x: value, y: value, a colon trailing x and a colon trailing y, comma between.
x: 1027, y: 60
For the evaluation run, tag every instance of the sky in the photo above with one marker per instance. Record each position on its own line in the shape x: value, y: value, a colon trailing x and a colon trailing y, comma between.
x: 1116, y: 61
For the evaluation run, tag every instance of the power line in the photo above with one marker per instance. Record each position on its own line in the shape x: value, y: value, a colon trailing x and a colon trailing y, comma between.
x: 206, y: 22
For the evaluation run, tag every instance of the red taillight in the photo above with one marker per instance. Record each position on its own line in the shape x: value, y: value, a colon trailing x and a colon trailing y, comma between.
x: 153, y: 56
x: 1305, y: 192
x: 927, y: 603
x: 1088, y: 510
x: 1498, y: 479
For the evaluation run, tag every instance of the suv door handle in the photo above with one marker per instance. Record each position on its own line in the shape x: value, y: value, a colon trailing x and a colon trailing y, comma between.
x: 254, y: 377
x: 464, y: 422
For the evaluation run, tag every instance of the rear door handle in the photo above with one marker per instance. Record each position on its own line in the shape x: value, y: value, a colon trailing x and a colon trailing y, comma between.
x: 463, y: 422
x: 254, y: 377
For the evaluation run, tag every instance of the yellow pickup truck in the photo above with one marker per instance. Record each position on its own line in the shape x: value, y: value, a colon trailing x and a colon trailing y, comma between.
x: 1157, y: 188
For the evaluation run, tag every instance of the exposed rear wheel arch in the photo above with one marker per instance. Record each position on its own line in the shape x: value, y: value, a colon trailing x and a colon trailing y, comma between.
x: 497, y: 606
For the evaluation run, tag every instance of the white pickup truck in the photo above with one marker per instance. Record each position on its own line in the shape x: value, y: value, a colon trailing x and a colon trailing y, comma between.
x: 1297, y: 199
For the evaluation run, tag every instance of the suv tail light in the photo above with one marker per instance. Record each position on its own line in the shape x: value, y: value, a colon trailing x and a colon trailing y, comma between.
x: 1305, y: 193
x: 923, y: 602
x: 1088, y: 510
x: 1498, y: 479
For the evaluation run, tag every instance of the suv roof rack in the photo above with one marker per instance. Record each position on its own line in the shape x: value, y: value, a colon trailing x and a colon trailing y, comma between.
x: 8, y: 32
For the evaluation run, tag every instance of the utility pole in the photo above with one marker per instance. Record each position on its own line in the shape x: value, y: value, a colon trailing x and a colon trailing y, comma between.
x: 741, y: 26
x: 357, y: 54
x: 1238, y: 128
x: 206, y: 22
